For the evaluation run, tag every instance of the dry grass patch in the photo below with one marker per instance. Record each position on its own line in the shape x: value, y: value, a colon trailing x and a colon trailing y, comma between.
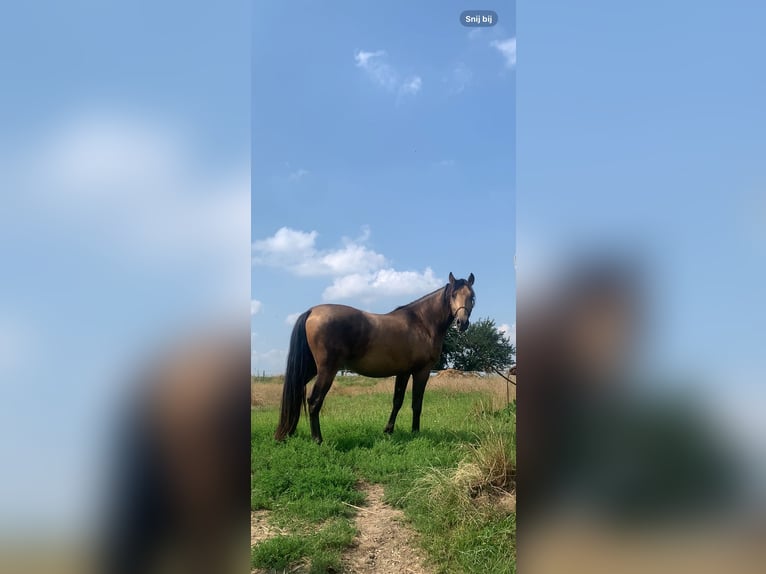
x: 269, y: 392
x: 485, y: 476
x: 265, y: 394
x: 467, y: 513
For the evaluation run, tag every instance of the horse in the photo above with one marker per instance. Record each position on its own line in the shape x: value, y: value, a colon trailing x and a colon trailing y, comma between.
x: 405, y: 342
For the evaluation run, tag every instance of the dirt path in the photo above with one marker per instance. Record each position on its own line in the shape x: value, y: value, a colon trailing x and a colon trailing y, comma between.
x: 384, y: 545
x: 260, y: 529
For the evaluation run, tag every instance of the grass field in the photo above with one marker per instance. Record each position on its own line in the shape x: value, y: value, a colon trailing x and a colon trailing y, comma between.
x: 452, y: 480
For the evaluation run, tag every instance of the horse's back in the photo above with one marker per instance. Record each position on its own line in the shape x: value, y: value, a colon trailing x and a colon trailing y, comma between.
x: 330, y: 314
x: 339, y: 329
x: 347, y: 322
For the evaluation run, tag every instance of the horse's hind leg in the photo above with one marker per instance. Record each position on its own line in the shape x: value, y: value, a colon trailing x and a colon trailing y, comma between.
x: 399, y: 389
x: 322, y: 384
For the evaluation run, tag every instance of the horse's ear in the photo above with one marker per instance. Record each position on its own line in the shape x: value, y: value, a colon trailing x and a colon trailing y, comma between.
x: 451, y: 278
x: 470, y: 279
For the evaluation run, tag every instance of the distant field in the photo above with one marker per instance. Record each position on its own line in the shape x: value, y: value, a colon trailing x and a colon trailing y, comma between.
x: 315, y: 508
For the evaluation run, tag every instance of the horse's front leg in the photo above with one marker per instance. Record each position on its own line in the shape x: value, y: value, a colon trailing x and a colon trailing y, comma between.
x: 321, y: 386
x: 419, y: 381
x: 399, y: 389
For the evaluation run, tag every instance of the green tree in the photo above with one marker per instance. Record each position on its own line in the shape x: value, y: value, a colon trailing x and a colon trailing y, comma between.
x: 481, y: 347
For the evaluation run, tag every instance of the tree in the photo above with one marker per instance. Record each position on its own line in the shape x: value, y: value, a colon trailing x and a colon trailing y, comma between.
x: 481, y: 347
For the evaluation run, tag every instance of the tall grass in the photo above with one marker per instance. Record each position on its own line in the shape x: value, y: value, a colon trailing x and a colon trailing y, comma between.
x: 467, y: 513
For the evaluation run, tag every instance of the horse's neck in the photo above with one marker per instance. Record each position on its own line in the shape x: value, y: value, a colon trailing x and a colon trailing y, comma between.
x: 435, y: 313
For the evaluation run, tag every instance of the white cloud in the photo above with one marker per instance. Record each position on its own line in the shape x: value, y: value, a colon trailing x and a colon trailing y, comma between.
x: 357, y: 271
x: 459, y: 78
x: 376, y: 67
x: 411, y: 86
x: 296, y: 251
x: 287, y: 242
x: 255, y: 306
x: 138, y: 181
x: 140, y: 189
x: 507, y: 49
x: 508, y: 331
x: 107, y: 155
x: 292, y: 318
x: 366, y: 232
x: 382, y: 283
x: 363, y: 59
x: 297, y: 175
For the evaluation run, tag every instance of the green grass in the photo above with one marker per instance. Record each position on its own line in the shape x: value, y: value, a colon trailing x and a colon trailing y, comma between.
x: 322, y: 548
x: 309, y: 488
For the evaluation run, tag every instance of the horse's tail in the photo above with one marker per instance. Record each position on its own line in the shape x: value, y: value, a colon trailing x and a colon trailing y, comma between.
x: 301, y: 367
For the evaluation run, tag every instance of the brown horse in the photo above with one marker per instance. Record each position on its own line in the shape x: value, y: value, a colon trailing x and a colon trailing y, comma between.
x: 405, y: 342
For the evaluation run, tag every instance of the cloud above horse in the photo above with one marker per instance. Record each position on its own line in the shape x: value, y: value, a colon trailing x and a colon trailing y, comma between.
x: 357, y: 271
x: 507, y: 49
x: 382, y: 283
x: 375, y: 65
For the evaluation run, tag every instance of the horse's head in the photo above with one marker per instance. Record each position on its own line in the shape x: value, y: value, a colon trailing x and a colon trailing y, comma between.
x: 461, y: 299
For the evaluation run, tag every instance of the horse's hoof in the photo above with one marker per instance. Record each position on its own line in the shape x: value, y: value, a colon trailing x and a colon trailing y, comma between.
x: 388, y: 430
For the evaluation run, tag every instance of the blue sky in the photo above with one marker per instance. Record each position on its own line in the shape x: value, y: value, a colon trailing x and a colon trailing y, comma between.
x: 383, y: 157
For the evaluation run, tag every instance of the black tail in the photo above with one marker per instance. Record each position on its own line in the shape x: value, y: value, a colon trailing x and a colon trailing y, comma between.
x: 301, y: 368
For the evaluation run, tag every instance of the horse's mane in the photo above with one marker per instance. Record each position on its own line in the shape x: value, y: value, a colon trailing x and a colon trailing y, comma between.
x: 419, y: 300
x: 458, y: 284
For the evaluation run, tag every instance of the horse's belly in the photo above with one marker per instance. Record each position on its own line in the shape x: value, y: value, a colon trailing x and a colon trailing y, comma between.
x: 372, y: 367
x: 387, y: 362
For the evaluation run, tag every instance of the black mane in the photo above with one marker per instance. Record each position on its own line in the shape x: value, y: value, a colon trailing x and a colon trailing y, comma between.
x: 458, y: 284
x: 416, y: 301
